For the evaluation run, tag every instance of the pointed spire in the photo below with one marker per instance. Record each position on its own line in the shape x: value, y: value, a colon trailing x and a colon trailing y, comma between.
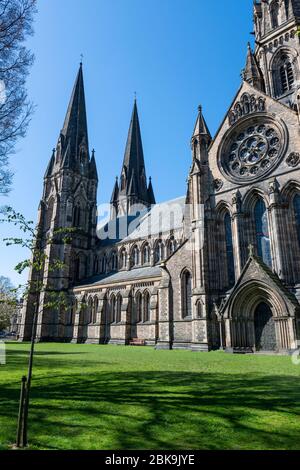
x: 134, y: 155
x: 93, y: 167
x: 115, y: 193
x: 133, y: 182
x: 50, y: 165
x: 201, y: 128
x: 151, y: 197
x: 252, y: 73
x: 74, y: 135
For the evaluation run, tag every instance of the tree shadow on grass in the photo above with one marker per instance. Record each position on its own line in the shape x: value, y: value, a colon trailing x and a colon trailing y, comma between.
x: 162, y: 410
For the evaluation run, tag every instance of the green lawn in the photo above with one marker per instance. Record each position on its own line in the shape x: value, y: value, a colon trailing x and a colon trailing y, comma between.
x: 109, y: 397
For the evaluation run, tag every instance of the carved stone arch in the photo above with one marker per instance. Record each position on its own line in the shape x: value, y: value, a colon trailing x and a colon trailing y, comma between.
x: 89, y: 310
x: 244, y: 317
x: 250, y: 294
x: 289, y: 190
x: 122, y: 255
x: 49, y: 212
x: 221, y: 209
x: 225, y: 245
x: 145, y: 252
x: 246, y: 103
x: 112, y: 307
x: 146, y: 306
x: 95, y: 308
x: 251, y: 197
x: 159, y: 250
x: 275, y: 16
x: 119, y: 303
x: 284, y: 55
x: 186, y: 288
x: 200, y: 309
x: 290, y: 196
x: 135, y: 254
x: 79, y: 266
x: 96, y: 264
x: 113, y: 259
x: 171, y: 245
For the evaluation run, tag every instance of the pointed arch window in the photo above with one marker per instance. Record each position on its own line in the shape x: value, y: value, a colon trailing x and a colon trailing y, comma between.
x: 274, y: 12
x: 172, y: 247
x: 138, y: 307
x: 186, y: 294
x: 95, y: 309
x: 77, y: 216
x: 263, y: 242
x: 113, y: 304
x: 297, y: 215
x: 114, y: 261
x: 146, y: 254
x: 89, y: 312
x: 123, y: 259
x: 49, y: 214
x: 286, y: 75
x: 159, y: 252
x: 146, y: 307
x: 104, y: 264
x: 119, y: 309
x: 135, y: 257
x: 229, y: 250
x: 96, y: 265
x: 74, y: 309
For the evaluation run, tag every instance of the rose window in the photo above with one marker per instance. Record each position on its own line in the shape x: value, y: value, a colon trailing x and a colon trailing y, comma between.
x: 252, y: 151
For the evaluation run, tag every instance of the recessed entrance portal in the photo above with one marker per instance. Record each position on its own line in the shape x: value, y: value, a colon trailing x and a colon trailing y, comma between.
x: 265, y: 334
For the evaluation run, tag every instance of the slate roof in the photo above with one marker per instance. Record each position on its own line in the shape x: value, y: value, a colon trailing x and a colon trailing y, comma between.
x: 153, y: 222
x: 121, y: 276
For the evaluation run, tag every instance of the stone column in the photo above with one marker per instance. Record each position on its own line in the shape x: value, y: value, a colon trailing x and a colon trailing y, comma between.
x: 237, y: 234
x: 228, y: 334
x: 77, y: 320
x: 101, y: 317
x: 277, y: 230
x: 165, y: 320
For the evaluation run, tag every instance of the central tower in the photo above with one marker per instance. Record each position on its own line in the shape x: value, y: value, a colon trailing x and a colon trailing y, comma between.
x: 133, y: 189
x: 276, y: 24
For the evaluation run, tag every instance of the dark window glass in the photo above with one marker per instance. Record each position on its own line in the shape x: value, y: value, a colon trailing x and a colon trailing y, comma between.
x: 229, y: 250
x: 297, y: 214
x: 186, y: 294
x: 262, y: 233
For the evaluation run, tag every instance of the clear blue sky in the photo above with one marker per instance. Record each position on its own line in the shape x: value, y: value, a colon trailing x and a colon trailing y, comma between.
x: 175, y: 54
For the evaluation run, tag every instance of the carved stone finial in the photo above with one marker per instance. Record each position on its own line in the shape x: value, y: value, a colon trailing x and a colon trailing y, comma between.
x: 274, y: 187
x: 251, y: 250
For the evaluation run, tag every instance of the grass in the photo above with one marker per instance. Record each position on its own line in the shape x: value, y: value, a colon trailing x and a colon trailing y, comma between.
x: 108, y: 397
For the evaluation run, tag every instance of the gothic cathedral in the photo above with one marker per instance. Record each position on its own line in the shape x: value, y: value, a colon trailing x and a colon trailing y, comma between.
x: 225, y: 273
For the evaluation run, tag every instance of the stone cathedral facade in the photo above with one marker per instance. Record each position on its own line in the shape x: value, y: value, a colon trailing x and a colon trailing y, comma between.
x: 225, y: 272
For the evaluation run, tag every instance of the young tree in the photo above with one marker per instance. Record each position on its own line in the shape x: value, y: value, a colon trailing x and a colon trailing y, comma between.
x: 36, y: 241
x: 8, y: 302
x: 16, y: 18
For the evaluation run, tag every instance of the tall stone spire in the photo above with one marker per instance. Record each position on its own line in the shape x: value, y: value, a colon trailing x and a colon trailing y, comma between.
x: 133, y: 182
x: 73, y: 145
x: 201, y: 128
x: 252, y: 73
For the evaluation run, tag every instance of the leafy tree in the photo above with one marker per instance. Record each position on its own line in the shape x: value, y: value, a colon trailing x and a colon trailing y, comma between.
x: 36, y: 241
x: 16, y: 18
x: 7, y: 302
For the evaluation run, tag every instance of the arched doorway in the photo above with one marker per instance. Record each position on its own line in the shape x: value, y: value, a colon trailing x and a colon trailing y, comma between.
x: 265, y: 333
